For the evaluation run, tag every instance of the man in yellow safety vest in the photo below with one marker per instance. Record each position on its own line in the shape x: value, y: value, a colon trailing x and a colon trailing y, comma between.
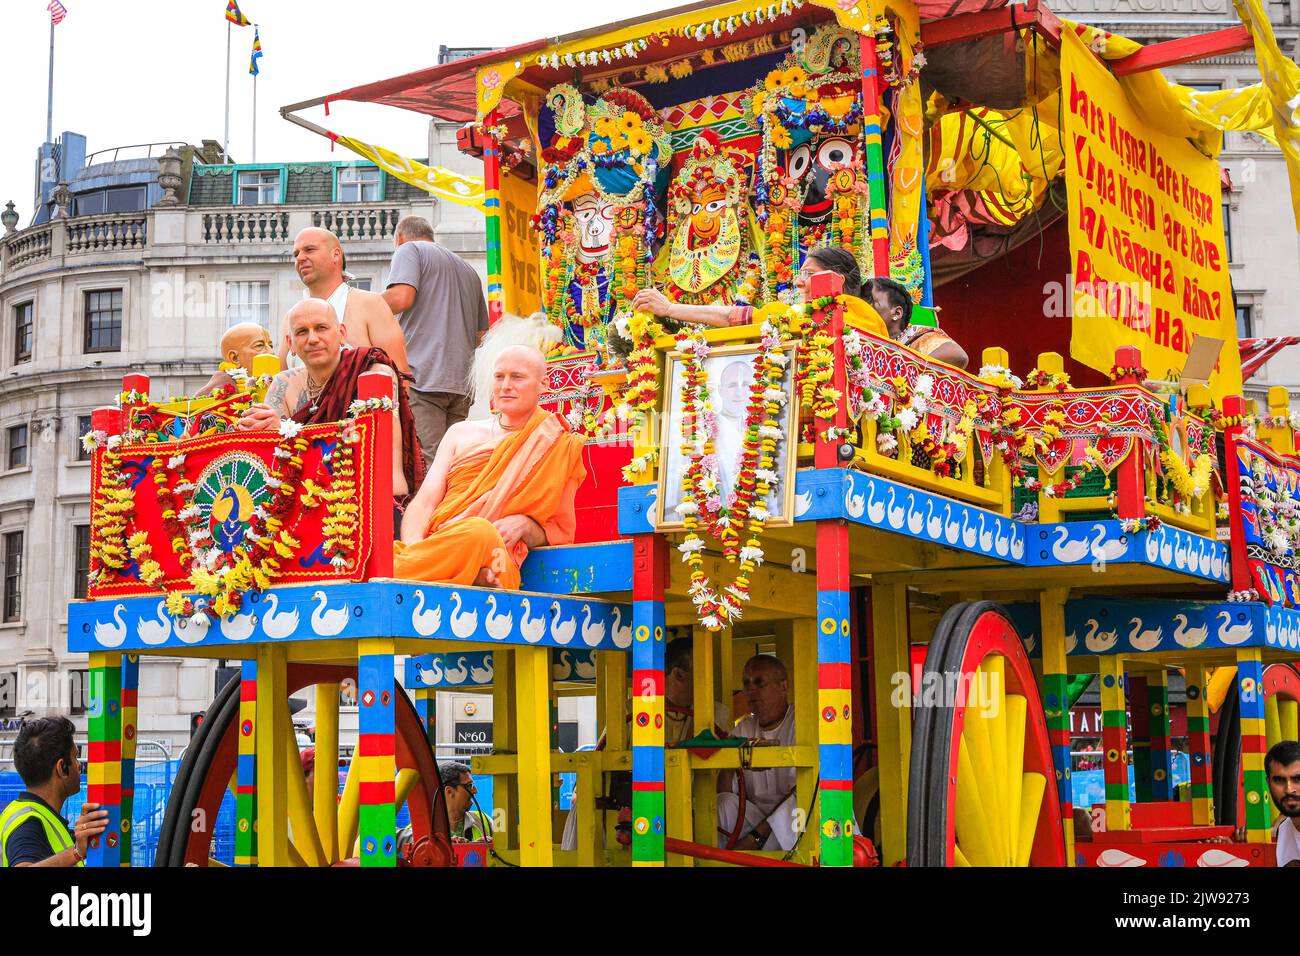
x: 32, y: 833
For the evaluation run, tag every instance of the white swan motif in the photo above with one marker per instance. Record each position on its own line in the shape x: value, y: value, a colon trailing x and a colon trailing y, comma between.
x: 1071, y: 642
x: 426, y: 623
x: 1236, y: 634
x: 1103, y: 550
x: 187, y: 631
x: 563, y: 633
x: 278, y: 624
x: 432, y: 675
x: 802, y: 502
x: 327, y: 623
x: 1166, y: 548
x: 497, y: 625
x: 986, y: 537
x: 895, y: 515
x: 1153, y: 547
x: 1141, y: 640
x: 562, y: 666
x: 1180, y: 553
x: 622, y: 633
x: 933, y: 522
x: 1098, y: 641
x: 1270, y: 631
x: 915, y: 520
x: 1185, y: 636
x: 1216, y: 564
x: 1207, y: 558
x: 463, y: 623
x: 968, y: 530
x: 951, y: 529
x: 532, y: 628
x: 584, y: 668
x: 239, y: 627
x: 1017, y: 545
x: 855, y: 505
x: 650, y: 507
x: 482, y: 673
x: 457, y: 674
x: 875, y: 509
x: 592, y: 634
x: 1001, y: 542
x: 156, y: 632
x: 108, y: 635
x: 1067, y: 552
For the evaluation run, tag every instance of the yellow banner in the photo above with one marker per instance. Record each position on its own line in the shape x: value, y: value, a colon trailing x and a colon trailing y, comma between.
x: 1282, y: 80
x: 443, y: 183
x: 520, y: 255
x: 1146, y: 232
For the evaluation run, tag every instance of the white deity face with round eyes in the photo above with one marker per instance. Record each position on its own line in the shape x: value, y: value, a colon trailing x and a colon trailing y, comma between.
x: 595, y: 221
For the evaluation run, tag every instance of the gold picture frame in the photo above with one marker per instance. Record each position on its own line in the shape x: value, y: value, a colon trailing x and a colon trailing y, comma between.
x: 672, y: 463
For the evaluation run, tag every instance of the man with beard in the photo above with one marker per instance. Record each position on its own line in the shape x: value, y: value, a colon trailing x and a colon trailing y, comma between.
x: 1282, y: 765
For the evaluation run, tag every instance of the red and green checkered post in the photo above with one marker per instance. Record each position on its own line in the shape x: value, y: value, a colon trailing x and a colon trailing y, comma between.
x: 1199, y: 750
x: 375, y: 760
x: 104, y: 753
x: 246, y: 769
x: 130, y: 694
x: 1254, y: 744
x: 649, y: 578
x: 1114, y: 741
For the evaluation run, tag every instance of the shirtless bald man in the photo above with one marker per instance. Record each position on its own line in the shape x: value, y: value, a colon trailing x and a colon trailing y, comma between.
x: 319, y: 259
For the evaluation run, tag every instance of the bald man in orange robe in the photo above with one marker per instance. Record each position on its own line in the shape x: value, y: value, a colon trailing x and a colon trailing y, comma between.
x: 497, y: 487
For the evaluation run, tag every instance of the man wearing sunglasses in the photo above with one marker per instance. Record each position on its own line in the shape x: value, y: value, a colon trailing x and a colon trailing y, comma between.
x: 458, y: 787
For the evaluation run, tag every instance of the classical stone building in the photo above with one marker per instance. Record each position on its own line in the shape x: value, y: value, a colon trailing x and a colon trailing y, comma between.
x: 1264, y: 249
x: 138, y: 261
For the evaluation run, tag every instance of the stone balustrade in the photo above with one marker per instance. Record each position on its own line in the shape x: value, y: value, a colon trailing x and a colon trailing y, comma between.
x: 111, y: 233
x: 28, y: 246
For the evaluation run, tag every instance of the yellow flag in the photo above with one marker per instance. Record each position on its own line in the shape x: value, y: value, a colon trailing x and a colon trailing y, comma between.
x: 1282, y: 80
x: 443, y: 183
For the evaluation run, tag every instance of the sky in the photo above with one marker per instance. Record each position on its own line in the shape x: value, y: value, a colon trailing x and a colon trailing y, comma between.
x: 144, y: 71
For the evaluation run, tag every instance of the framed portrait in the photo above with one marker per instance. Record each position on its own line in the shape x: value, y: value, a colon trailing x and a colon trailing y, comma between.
x: 730, y: 371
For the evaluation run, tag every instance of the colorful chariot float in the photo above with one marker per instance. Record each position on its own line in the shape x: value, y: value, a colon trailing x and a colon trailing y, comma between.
x: 942, y: 557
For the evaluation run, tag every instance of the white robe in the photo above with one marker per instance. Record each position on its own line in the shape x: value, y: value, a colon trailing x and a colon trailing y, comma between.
x: 769, y: 794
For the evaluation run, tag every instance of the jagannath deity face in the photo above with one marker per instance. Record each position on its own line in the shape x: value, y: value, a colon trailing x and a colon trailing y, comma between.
x: 709, y: 208
x: 594, y: 221
x: 816, y: 168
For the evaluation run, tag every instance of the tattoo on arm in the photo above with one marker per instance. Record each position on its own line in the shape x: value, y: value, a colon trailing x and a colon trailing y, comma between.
x: 275, y: 395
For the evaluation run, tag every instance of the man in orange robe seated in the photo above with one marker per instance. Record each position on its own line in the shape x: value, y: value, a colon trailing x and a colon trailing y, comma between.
x: 497, y: 487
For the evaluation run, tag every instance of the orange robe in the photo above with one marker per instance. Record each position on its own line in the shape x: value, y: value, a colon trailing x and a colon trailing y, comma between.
x: 535, y: 472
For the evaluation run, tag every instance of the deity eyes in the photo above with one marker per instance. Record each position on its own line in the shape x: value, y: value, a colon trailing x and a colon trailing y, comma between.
x: 800, y: 160
x: 714, y: 206
x: 835, y: 152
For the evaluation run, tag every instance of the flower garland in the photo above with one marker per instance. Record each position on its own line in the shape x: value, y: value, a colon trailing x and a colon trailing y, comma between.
x: 702, y: 506
x: 642, y: 385
x: 253, y: 565
x: 1189, y: 484
x: 1134, y: 525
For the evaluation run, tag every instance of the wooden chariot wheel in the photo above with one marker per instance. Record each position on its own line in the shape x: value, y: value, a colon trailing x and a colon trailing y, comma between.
x: 207, y: 771
x: 982, y: 783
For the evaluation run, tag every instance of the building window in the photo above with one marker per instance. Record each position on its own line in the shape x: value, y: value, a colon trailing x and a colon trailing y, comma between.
x: 23, y: 332
x: 16, y: 447
x: 13, y: 576
x: 1245, y: 321
x: 8, y: 694
x: 358, y: 184
x: 362, y: 284
x: 248, y: 302
x: 83, y: 429
x: 259, y: 187
x: 104, y: 321
x: 78, y: 691
x: 124, y: 199
x: 1227, y: 229
x: 81, y: 561
x: 1207, y: 86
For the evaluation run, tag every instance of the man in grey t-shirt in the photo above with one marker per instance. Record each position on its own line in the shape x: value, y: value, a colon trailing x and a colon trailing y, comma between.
x: 438, y: 299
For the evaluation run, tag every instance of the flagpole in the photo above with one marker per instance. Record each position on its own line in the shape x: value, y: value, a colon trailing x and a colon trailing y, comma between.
x: 254, y: 117
x: 49, y: 109
x: 225, y: 141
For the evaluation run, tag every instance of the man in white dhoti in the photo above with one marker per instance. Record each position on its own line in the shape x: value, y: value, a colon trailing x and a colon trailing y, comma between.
x: 769, y: 794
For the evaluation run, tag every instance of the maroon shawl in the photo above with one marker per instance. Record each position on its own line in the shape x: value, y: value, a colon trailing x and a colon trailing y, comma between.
x: 341, y: 391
